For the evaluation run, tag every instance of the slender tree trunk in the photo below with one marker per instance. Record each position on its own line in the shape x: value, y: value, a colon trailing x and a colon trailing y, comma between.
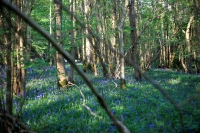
x: 122, y: 73
x: 113, y: 40
x: 187, y: 37
x: 196, y: 6
x: 95, y: 63
x: 50, y: 31
x: 62, y: 79
x: 20, y: 72
x: 87, y: 42
x: 134, y: 42
x: 195, y: 63
x: 83, y: 57
x: 197, y: 20
x: 71, y: 73
x: 7, y: 40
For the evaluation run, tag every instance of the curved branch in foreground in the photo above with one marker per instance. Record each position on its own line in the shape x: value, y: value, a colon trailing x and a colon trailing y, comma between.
x: 67, y: 56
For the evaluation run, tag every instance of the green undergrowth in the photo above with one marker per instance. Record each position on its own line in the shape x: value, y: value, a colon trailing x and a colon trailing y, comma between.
x: 141, y: 107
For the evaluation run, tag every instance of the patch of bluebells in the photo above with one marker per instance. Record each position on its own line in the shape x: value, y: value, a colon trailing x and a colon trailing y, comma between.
x: 135, y: 112
x: 112, y: 129
x: 152, y: 126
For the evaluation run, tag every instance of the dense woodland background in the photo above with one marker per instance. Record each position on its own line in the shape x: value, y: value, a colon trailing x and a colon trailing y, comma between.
x: 105, y: 36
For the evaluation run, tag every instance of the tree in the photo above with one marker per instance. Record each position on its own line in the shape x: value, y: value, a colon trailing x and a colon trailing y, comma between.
x: 6, y: 24
x: 113, y: 40
x: 59, y: 60
x: 71, y: 74
x: 133, y: 37
x: 123, y: 17
x: 20, y: 50
x: 87, y: 46
x: 197, y: 31
x: 187, y: 37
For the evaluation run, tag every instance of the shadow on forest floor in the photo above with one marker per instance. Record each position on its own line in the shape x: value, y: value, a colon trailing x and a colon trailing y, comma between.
x: 141, y: 107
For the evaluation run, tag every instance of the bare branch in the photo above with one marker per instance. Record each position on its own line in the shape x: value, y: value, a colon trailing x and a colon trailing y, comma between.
x: 84, y: 103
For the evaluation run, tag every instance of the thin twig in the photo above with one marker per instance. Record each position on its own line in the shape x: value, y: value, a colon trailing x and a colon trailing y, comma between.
x: 84, y: 103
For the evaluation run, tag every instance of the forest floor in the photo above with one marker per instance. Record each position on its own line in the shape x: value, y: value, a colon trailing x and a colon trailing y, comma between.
x: 140, y: 106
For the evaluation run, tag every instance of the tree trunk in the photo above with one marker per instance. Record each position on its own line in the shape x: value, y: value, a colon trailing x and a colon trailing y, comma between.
x: 122, y: 73
x: 18, y: 67
x: 71, y: 73
x: 113, y: 41
x: 187, y: 37
x: 134, y: 41
x: 62, y: 79
x: 195, y: 63
x: 87, y: 42
x: 197, y: 19
x: 50, y: 32
x: 95, y: 63
x: 197, y: 27
x: 7, y: 40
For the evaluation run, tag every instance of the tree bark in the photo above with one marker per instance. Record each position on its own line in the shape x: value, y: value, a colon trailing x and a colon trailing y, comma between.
x: 120, y: 28
x: 134, y: 41
x: 187, y: 37
x: 196, y: 4
x: 50, y: 31
x: 71, y: 73
x: 6, y: 23
x: 113, y: 41
x: 62, y: 79
x: 87, y: 42
x: 18, y: 68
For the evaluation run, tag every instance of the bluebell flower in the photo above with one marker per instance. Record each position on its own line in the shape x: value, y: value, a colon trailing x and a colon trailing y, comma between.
x: 151, y: 126
x: 136, y: 119
x: 114, y: 112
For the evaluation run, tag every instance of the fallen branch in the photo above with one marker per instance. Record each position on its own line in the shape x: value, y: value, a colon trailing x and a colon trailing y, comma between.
x: 84, y: 103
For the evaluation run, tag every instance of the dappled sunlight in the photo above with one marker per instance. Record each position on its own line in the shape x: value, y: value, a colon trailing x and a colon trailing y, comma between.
x: 140, y: 106
x: 174, y: 81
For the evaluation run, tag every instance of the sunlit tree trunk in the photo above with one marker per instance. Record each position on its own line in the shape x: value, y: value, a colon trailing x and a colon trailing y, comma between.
x: 122, y: 72
x: 18, y: 67
x: 100, y: 43
x: 133, y: 37
x: 113, y: 41
x: 62, y: 78
x: 87, y: 42
x: 50, y: 31
x: 188, y: 67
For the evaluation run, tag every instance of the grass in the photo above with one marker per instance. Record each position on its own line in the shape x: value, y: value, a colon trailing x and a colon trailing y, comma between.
x: 141, y: 107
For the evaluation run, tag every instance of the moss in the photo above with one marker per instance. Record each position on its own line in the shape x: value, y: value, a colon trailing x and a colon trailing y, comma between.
x: 123, y: 83
x: 63, y: 83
